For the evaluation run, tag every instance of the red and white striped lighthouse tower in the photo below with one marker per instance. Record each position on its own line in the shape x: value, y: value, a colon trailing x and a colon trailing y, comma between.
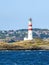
x: 30, y: 29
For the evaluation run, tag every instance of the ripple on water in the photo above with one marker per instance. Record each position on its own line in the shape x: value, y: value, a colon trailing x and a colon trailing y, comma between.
x: 31, y: 57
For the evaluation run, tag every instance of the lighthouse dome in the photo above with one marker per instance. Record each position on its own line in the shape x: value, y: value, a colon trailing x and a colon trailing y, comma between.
x: 30, y: 19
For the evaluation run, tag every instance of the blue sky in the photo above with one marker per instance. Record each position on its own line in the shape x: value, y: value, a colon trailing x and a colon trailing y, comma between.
x: 14, y: 14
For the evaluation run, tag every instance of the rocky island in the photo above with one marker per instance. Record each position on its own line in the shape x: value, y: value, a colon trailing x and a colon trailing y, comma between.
x: 35, y: 44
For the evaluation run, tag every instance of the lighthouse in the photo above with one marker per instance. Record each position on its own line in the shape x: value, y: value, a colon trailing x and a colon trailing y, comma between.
x: 30, y: 37
x: 30, y: 29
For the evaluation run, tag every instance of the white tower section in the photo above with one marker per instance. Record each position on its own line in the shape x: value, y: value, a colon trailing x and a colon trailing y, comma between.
x: 30, y: 29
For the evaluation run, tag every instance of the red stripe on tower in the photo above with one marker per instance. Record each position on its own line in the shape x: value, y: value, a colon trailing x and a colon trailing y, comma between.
x: 30, y: 24
x: 30, y: 29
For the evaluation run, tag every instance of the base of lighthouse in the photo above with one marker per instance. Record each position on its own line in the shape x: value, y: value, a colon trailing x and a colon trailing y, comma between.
x: 30, y: 35
x: 28, y: 38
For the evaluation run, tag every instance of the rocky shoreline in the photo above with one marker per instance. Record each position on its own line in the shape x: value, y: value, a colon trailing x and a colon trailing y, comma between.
x: 36, y: 44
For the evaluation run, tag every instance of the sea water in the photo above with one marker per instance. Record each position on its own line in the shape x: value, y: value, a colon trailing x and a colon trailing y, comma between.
x: 34, y: 57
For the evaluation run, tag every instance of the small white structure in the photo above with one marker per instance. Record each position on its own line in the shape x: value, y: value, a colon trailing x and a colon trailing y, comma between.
x: 29, y: 30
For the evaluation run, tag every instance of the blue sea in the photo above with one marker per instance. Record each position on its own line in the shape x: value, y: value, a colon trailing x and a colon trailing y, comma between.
x: 30, y: 57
